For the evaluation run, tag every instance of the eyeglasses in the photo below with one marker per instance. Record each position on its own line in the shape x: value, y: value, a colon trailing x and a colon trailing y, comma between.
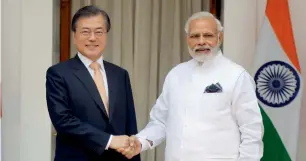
x: 87, y: 33
x: 206, y: 36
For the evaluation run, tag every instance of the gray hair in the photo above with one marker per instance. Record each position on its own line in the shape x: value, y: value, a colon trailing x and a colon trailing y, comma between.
x: 199, y: 15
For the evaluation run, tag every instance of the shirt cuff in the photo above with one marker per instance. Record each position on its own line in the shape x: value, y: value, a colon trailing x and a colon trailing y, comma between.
x: 145, y: 144
x: 109, y: 141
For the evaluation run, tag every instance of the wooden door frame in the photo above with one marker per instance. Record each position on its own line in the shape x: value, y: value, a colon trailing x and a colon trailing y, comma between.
x: 65, y: 29
x: 215, y: 7
x: 65, y: 24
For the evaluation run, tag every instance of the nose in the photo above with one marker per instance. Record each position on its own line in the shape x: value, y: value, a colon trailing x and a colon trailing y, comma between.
x: 92, y: 36
x: 201, y: 41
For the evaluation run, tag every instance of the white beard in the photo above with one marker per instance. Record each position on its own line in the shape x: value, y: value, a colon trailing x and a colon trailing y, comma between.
x: 204, y: 57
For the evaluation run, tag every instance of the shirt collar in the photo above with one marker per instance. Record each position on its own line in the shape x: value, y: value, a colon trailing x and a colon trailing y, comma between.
x: 86, y: 61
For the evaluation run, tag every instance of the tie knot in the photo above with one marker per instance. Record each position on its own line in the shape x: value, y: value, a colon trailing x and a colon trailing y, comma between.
x: 95, y: 66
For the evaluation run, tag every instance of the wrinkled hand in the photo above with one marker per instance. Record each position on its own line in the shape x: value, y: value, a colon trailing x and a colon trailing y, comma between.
x: 120, y: 141
x: 133, y: 149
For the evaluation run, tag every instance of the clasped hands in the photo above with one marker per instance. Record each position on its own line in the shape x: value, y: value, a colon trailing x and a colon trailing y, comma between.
x: 127, y: 146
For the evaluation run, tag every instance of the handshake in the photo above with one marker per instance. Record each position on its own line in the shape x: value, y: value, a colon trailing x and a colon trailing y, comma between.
x: 127, y: 146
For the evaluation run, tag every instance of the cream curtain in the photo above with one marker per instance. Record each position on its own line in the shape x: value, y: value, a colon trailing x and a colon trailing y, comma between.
x: 147, y: 38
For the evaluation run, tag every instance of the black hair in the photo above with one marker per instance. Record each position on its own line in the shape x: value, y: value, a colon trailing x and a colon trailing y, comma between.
x: 89, y: 11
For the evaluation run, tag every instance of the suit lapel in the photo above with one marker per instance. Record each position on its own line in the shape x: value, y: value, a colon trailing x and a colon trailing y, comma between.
x: 84, y: 76
x: 112, y: 82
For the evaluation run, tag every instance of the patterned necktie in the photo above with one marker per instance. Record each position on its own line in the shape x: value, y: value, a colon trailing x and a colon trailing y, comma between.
x: 98, y: 79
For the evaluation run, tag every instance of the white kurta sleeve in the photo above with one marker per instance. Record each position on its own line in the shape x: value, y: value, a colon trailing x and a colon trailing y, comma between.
x: 249, y: 119
x: 155, y: 130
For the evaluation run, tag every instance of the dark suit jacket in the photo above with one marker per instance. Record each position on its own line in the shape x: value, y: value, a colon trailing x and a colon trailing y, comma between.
x: 78, y: 114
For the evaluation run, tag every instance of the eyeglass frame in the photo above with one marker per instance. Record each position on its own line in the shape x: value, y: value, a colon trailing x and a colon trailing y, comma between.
x: 87, y: 33
x: 206, y: 37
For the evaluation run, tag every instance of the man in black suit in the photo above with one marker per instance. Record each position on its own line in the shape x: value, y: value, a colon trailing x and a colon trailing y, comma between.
x: 90, y: 100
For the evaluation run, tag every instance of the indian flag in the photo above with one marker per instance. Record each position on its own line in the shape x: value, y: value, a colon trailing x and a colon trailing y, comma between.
x: 277, y: 74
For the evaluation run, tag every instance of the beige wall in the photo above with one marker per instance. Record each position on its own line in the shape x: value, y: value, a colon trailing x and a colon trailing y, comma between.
x: 240, y: 31
x: 0, y: 44
x: 298, y: 12
x: 242, y: 24
x: 26, y: 53
x: 0, y: 85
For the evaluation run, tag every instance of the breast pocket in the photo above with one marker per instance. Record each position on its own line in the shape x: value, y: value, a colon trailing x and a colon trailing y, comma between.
x: 215, y: 101
x: 214, y: 105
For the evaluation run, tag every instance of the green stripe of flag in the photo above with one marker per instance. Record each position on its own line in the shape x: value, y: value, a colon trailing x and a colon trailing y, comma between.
x: 274, y: 149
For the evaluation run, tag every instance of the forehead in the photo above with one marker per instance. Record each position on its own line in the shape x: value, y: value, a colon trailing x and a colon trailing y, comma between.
x: 91, y: 22
x: 207, y: 24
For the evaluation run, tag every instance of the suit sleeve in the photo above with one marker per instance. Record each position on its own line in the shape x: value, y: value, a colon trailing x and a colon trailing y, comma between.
x: 155, y: 130
x: 249, y: 119
x: 63, y: 119
x: 131, y: 123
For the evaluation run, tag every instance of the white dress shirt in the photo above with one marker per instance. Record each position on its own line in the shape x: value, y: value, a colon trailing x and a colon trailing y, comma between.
x: 86, y: 61
x: 200, y: 126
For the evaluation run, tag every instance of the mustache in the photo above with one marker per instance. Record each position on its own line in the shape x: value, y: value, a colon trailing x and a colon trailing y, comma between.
x: 202, y: 47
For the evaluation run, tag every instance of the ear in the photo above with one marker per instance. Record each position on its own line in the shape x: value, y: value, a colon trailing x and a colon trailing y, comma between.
x: 73, y: 37
x: 187, y: 38
x: 220, y: 38
x: 221, y: 35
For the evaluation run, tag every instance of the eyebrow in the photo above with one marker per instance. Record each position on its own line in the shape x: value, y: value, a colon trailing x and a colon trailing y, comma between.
x: 201, y: 32
x: 86, y: 28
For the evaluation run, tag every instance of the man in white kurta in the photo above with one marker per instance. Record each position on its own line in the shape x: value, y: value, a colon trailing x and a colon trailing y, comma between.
x: 199, y: 122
